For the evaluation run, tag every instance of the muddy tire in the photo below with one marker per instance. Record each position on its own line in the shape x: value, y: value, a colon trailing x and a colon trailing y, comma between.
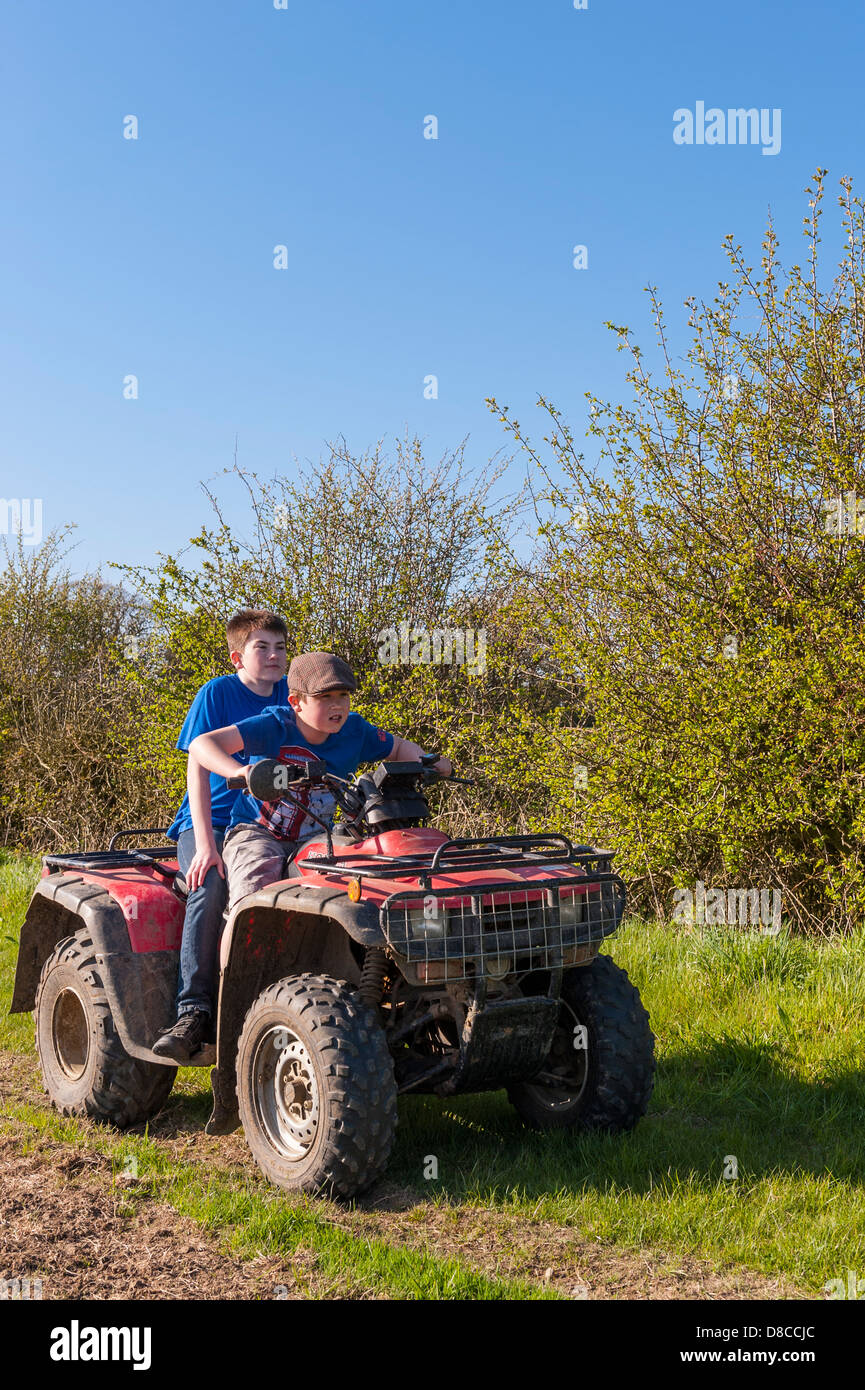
x: 601, y: 1068
x: 85, y: 1067
x: 315, y: 1087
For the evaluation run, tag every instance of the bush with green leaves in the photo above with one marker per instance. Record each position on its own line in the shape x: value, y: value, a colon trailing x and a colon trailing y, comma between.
x: 66, y: 715
x: 703, y: 580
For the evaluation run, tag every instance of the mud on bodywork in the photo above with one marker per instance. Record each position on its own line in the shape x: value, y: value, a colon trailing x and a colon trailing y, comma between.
x: 287, y: 928
x: 141, y: 985
x: 297, y: 926
x: 131, y: 918
x: 455, y: 1013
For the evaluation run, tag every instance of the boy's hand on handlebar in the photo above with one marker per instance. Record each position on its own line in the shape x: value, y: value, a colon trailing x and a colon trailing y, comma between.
x: 203, y: 861
x: 443, y: 766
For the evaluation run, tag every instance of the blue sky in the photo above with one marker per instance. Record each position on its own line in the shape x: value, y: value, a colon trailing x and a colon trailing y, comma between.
x: 406, y: 256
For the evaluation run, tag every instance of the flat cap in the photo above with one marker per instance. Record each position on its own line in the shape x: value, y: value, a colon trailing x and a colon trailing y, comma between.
x: 314, y: 673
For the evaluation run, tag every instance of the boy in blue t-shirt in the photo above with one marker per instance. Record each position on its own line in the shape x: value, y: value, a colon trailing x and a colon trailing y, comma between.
x: 318, y: 724
x: 257, y: 646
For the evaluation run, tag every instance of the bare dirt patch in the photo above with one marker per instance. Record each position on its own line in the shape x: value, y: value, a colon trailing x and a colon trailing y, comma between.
x: 61, y: 1217
x: 65, y: 1221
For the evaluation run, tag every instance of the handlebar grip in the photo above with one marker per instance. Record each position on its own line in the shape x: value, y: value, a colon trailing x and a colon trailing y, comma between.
x: 269, y: 778
x: 235, y: 782
x: 428, y: 761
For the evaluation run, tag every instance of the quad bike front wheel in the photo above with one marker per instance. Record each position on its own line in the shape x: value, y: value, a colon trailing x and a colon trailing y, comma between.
x: 86, y: 1069
x: 600, y: 1070
x: 315, y: 1087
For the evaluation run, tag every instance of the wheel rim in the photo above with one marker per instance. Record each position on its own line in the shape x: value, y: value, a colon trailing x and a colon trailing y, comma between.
x: 566, y: 1062
x: 70, y: 1034
x: 287, y: 1097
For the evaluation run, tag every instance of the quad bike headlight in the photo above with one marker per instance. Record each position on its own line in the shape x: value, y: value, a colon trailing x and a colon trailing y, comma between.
x: 497, y: 967
x: 426, y: 926
x: 570, y: 909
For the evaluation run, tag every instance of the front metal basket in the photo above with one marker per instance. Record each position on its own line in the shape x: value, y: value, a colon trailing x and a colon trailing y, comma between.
x: 493, y: 929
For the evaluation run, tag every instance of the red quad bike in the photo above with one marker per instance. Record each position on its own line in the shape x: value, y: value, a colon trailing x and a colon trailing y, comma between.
x: 391, y: 959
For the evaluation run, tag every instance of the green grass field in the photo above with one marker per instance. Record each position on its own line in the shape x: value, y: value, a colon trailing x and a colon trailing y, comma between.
x: 759, y: 1077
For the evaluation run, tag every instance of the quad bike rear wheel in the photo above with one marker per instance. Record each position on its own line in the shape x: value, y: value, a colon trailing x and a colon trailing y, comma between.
x: 600, y: 1070
x: 86, y: 1069
x: 315, y: 1087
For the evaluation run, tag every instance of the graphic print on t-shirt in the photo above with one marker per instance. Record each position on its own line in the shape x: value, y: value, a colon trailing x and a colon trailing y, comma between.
x: 289, y: 822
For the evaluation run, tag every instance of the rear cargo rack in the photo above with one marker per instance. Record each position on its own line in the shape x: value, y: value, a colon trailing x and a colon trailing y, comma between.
x: 112, y: 858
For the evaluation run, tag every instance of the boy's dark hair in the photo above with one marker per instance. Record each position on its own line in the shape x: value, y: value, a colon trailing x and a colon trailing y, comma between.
x: 247, y: 620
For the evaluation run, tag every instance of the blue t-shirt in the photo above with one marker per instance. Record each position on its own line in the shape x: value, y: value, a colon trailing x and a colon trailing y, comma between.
x: 219, y: 703
x: 275, y: 734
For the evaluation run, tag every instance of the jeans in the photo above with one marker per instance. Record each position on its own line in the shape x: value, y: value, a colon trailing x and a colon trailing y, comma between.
x: 201, y: 927
x: 253, y: 858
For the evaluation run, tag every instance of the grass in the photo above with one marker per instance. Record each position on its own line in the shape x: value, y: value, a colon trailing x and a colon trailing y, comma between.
x: 17, y: 877
x: 256, y: 1219
x: 759, y: 1041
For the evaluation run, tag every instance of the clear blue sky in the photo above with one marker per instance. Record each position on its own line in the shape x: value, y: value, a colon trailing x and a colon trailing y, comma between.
x: 407, y: 256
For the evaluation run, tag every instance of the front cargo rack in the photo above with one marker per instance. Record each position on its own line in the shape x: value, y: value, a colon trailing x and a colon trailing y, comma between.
x: 467, y: 856
x: 535, y: 927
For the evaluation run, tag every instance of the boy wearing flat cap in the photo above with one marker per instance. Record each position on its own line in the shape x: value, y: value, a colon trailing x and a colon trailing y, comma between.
x: 318, y: 722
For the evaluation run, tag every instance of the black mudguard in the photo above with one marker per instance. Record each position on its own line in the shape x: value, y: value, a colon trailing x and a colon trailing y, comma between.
x: 141, y: 987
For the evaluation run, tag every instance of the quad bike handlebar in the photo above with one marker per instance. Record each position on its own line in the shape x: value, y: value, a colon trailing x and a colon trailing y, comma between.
x: 388, y: 795
x: 269, y: 778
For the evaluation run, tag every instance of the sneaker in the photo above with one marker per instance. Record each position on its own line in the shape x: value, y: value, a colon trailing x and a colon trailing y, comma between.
x: 185, y: 1038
